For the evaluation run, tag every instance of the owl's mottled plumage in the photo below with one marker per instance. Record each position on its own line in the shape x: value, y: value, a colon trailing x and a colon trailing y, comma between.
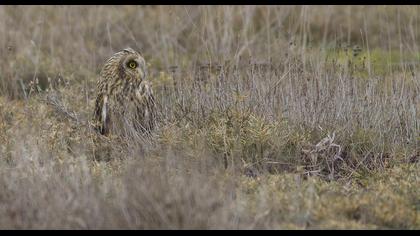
x: 125, y: 99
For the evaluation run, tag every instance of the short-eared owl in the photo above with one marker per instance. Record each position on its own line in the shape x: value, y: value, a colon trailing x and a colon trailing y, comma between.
x: 125, y: 100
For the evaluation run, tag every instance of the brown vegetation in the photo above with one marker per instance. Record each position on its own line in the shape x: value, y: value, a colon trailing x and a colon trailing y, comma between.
x: 279, y: 117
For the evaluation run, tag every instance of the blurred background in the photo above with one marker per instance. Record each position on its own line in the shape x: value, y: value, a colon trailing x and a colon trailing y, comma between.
x: 77, y: 39
x: 271, y: 117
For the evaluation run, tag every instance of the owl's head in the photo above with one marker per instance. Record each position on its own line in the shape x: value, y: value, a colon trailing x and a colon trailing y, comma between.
x: 127, y: 64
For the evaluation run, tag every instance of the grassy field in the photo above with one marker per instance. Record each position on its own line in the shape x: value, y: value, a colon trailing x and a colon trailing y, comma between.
x: 271, y: 117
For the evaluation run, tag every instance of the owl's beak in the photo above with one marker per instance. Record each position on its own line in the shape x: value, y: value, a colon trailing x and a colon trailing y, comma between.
x: 141, y: 73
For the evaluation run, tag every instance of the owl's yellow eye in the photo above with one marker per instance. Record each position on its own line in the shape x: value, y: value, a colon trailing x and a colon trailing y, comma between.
x: 132, y: 64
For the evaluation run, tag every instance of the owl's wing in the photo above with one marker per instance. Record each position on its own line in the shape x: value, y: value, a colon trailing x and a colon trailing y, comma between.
x: 101, y: 116
x: 151, y: 106
x: 147, y: 110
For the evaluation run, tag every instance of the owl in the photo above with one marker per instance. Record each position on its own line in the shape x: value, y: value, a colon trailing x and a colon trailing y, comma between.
x: 125, y: 101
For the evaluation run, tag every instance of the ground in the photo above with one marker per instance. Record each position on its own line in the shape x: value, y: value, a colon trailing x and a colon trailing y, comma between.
x: 280, y: 117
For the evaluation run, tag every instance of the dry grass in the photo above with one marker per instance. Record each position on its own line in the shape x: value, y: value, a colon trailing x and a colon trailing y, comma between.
x: 288, y: 117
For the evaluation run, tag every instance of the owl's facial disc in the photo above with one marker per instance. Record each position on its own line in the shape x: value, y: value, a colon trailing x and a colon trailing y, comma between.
x: 135, y: 67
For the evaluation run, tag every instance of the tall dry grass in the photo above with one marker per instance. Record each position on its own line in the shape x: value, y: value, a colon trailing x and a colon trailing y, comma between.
x: 270, y: 117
